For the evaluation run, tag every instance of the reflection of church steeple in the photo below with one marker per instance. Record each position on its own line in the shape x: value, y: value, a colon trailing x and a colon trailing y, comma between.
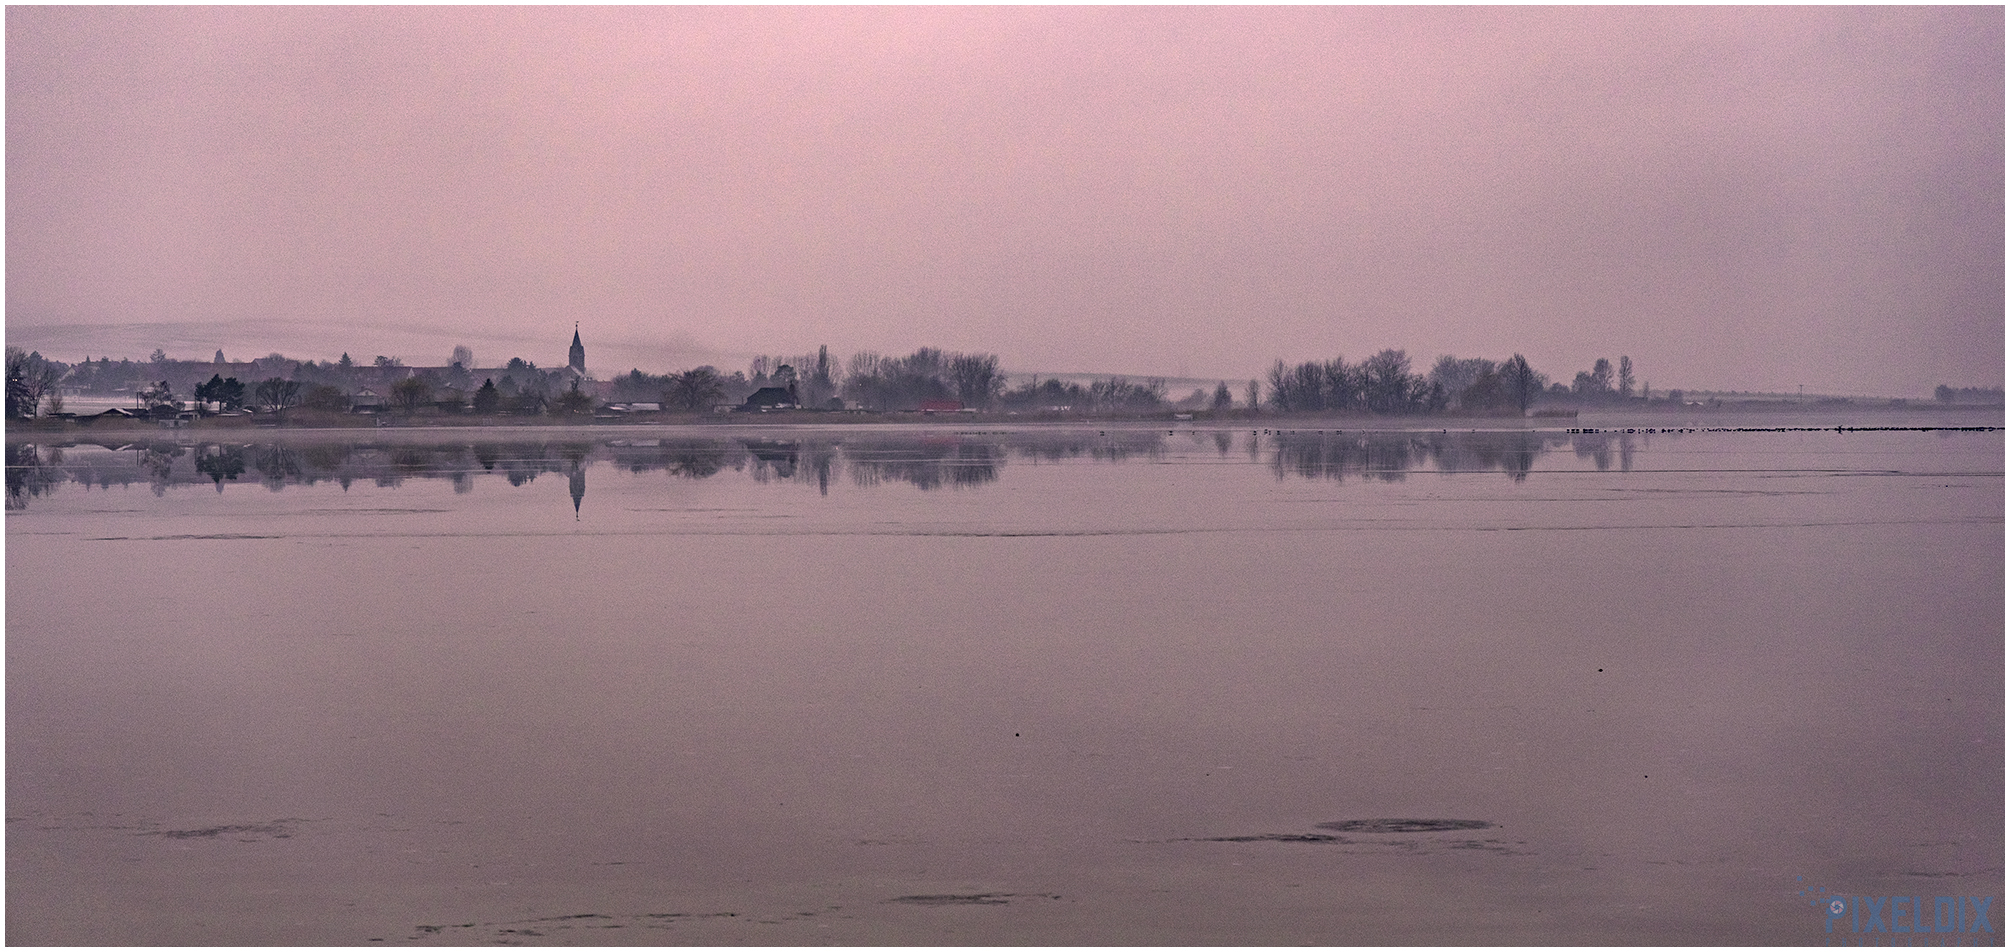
x: 576, y: 358
x: 578, y: 481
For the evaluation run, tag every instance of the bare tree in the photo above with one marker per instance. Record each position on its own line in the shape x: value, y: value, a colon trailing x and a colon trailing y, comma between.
x: 1118, y: 393
x: 1280, y: 387
x: 157, y: 397
x: 1345, y: 386
x: 277, y: 393
x: 694, y: 389
x: 410, y: 394
x: 977, y: 379
x: 30, y: 378
x: 1459, y: 376
x: 1308, y: 381
x: 1390, y: 386
x: 819, y: 386
x: 1601, y: 376
x: 1523, y: 384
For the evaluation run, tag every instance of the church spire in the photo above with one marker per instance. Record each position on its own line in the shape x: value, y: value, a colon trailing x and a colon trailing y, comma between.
x: 577, y: 358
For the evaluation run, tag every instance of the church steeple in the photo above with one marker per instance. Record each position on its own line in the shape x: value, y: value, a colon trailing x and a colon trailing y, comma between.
x: 577, y: 358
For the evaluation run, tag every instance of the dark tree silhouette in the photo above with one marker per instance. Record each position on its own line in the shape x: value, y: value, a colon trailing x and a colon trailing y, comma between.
x: 1521, y: 381
x: 694, y: 389
x: 30, y: 377
x: 410, y: 394
x: 277, y: 393
x: 488, y: 398
x: 325, y: 397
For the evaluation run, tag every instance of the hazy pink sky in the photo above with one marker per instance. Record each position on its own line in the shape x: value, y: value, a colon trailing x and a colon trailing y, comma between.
x: 1735, y: 197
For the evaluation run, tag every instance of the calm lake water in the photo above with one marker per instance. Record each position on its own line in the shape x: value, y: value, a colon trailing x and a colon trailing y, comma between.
x: 941, y: 686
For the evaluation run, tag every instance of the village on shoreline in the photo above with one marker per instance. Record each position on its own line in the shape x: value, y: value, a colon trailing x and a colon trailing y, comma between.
x: 927, y: 386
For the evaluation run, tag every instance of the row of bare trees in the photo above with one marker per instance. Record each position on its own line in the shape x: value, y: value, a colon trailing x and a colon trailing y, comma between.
x: 877, y: 382
x: 1384, y: 383
x: 1479, y: 385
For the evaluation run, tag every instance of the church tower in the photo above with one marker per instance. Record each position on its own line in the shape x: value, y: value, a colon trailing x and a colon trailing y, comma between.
x: 577, y: 358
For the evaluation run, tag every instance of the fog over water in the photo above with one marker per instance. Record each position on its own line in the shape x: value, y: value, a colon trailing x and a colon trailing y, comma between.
x: 935, y: 685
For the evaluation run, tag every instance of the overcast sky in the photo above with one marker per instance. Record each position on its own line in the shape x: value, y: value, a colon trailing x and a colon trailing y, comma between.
x: 1735, y: 197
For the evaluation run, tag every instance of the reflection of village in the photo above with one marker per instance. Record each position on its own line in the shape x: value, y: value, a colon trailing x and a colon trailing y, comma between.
x: 927, y: 462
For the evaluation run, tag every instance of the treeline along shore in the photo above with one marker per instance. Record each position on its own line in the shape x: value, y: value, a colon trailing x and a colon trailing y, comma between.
x: 385, y: 391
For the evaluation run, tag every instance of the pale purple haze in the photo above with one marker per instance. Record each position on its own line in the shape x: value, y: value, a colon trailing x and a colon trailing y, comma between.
x: 1735, y: 197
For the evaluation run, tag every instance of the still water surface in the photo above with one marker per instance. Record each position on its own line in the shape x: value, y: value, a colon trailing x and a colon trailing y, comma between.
x: 1023, y: 686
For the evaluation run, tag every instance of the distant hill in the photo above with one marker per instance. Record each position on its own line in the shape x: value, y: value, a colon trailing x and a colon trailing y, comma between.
x: 418, y: 346
x: 1176, y: 387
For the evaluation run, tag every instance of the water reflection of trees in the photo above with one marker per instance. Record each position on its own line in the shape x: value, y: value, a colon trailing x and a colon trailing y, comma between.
x: 220, y: 463
x: 772, y: 459
x: 156, y: 460
x: 693, y: 459
x: 958, y: 463
x: 928, y: 462
x: 1102, y: 446
x: 810, y: 461
x: 1389, y: 457
x: 32, y: 471
x: 1598, y: 447
x: 277, y: 465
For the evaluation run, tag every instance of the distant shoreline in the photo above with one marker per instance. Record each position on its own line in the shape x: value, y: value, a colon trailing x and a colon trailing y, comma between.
x: 307, y: 423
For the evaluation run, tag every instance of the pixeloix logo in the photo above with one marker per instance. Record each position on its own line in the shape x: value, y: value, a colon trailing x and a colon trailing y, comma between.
x: 1923, y: 920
